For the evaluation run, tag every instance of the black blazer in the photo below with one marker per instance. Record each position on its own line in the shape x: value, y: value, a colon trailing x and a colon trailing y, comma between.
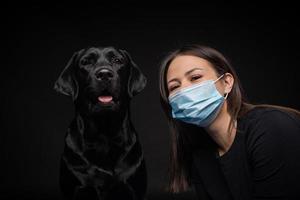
x: 262, y: 163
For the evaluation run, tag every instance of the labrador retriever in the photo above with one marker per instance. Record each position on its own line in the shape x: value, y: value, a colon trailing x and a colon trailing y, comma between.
x: 102, y: 157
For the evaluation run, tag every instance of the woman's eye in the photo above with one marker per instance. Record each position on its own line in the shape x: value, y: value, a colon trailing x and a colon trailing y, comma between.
x: 195, y: 77
x: 173, y: 88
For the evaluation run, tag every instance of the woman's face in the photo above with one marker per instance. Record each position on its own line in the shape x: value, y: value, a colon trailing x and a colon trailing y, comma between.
x: 185, y: 70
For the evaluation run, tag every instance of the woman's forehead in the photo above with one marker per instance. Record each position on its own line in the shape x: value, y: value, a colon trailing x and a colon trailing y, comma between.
x: 183, y: 63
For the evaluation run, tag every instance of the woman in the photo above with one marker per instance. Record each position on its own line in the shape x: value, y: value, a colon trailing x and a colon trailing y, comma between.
x: 221, y: 145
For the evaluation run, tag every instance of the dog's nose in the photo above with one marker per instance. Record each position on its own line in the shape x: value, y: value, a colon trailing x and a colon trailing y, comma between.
x: 104, y: 74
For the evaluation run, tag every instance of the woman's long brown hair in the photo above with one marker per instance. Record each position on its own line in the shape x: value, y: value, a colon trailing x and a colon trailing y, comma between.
x: 186, y: 138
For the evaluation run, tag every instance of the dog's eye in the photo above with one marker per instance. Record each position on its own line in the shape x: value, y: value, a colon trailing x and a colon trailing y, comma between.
x: 85, y: 61
x: 116, y: 60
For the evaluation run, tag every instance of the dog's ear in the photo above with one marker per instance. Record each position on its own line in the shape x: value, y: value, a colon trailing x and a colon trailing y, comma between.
x: 136, y: 81
x: 66, y: 83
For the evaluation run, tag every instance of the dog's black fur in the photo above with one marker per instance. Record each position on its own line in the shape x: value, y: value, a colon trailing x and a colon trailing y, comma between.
x: 102, y: 158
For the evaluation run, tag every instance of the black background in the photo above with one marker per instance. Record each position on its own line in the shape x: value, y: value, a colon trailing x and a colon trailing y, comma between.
x: 261, y: 41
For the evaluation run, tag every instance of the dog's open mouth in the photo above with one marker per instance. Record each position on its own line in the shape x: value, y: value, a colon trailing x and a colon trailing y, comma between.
x: 106, y: 99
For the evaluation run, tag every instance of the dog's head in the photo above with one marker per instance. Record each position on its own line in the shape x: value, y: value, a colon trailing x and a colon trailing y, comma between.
x: 100, y: 79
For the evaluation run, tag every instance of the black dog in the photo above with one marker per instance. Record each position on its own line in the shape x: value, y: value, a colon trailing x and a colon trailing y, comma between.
x: 102, y: 158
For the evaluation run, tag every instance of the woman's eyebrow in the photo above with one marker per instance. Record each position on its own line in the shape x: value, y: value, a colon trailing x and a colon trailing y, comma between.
x: 186, y: 73
x: 173, y: 79
x: 190, y: 71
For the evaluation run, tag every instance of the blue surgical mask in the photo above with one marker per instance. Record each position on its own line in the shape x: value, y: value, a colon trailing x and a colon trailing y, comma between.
x: 197, y: 104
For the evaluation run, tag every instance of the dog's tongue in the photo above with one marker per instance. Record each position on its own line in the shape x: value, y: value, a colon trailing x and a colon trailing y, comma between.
x: 105, y: 99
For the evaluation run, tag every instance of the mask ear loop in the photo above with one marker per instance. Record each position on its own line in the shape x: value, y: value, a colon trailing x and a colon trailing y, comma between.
x: 226, y: 95
x: 219, y: 78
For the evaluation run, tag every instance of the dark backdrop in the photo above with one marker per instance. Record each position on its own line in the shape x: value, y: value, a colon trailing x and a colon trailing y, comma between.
x: 262, y: 42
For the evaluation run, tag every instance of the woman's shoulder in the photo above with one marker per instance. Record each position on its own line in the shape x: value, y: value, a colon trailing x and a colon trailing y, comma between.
x: 272, y: 147
x: 270, y: 127
x: 272, y: 116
